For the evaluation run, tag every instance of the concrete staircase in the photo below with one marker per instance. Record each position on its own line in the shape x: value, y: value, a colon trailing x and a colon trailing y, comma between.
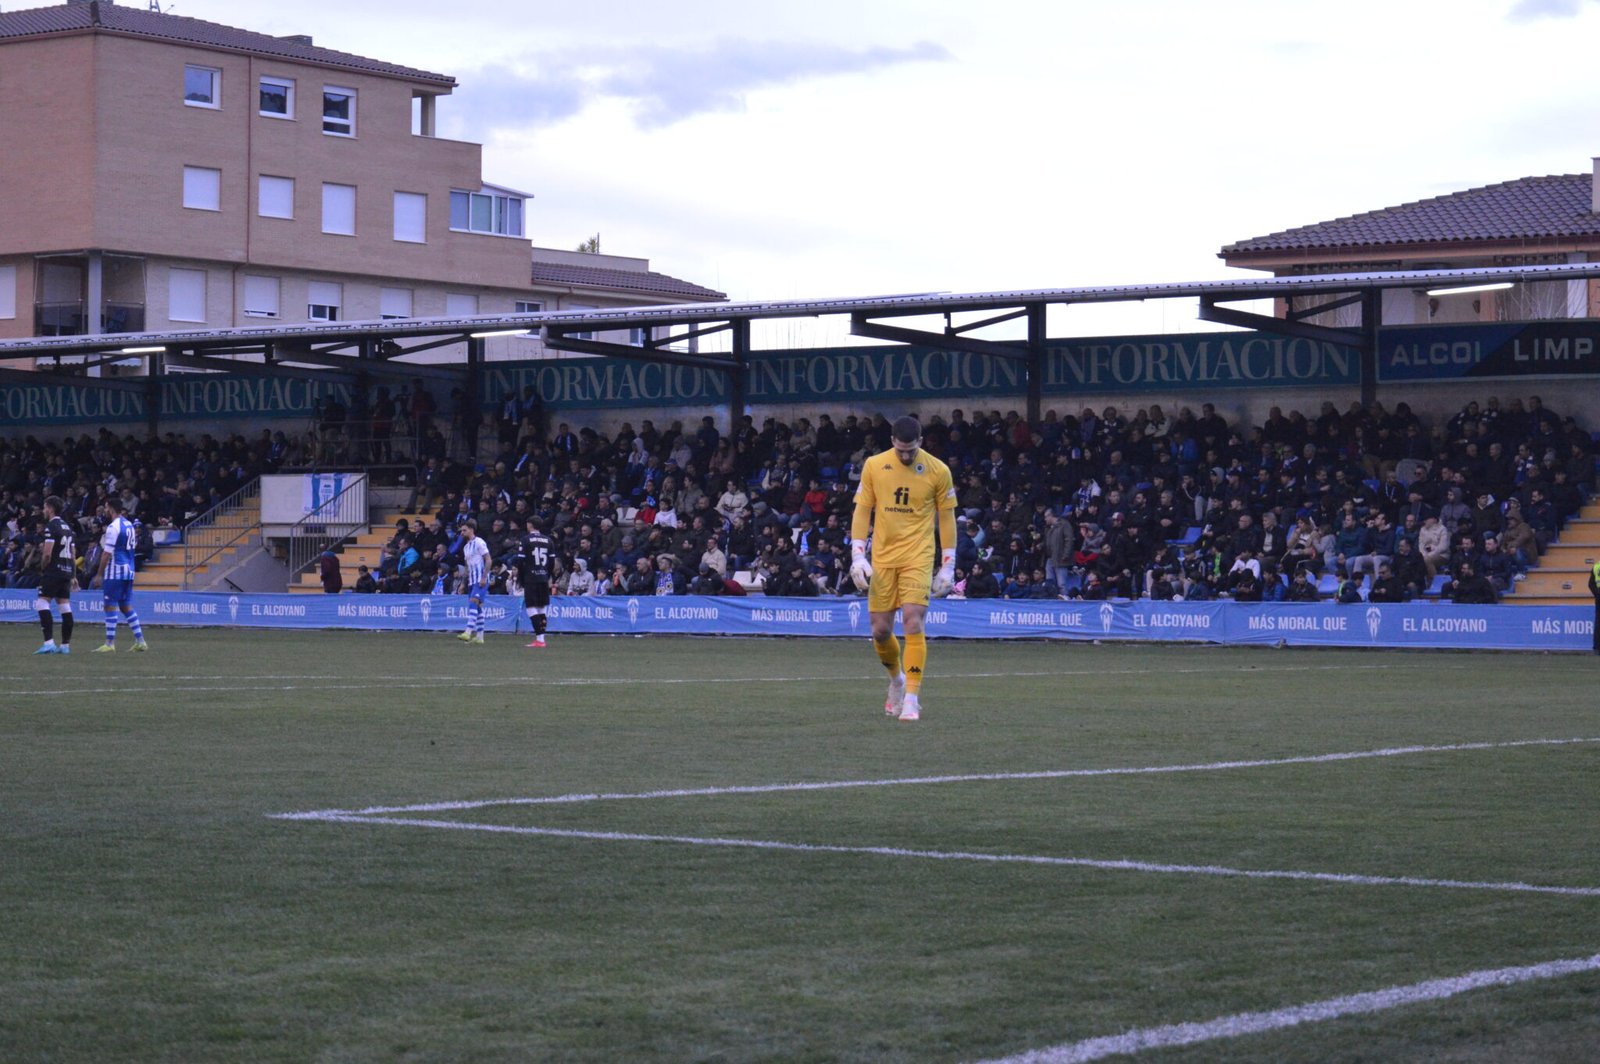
x: 363, y: 549
x: 165, y: 570
x: 1562, y: 576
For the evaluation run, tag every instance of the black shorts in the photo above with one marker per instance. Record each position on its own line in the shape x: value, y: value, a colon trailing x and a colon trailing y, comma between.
x: 55, y: 585
x: 536, y: 594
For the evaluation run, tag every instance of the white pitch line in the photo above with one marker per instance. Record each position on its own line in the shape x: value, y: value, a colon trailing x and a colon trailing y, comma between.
x: 1349, y: 879
x: 1247, y: 1023
x: 312, y: 683
x: 977, y: 777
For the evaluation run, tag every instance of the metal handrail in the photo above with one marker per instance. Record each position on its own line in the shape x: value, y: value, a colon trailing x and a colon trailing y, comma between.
x: 333, y: 521
x: 221, y: 527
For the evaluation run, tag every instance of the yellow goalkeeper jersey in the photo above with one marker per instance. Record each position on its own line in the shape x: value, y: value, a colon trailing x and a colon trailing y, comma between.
x: 901, y: 504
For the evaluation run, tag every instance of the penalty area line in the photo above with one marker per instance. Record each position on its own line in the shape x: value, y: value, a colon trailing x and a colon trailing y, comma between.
x: 1248, y: 1023
x: 1343, y: 878
x: 980, y: 777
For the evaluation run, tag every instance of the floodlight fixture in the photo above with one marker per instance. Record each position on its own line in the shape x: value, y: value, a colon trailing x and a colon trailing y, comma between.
x: 1464, y: 289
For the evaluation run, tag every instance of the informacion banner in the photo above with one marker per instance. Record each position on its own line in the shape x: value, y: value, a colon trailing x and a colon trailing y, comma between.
x: 1416, y: 625
x: 180, y: 397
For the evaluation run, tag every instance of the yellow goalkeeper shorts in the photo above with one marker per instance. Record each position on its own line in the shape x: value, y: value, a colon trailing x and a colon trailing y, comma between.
x: 893, y: 588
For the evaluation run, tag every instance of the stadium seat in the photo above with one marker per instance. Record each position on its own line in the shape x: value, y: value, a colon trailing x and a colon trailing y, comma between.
x: 1435, y: 587
x: 1327, y: 584
x: 1189, y: 537
x: 625, y: 514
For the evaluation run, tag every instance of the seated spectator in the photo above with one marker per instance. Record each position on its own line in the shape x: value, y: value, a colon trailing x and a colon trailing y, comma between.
x: 1301, y: 589
x: 1387, y: 587
x: 1468, y: 588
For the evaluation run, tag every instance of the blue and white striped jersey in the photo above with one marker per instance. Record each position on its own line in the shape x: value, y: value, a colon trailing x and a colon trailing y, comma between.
x: 477, y: 555
x: 118, y: 542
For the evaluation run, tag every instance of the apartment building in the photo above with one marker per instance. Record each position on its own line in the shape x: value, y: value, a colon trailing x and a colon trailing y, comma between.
x: 165, y: 172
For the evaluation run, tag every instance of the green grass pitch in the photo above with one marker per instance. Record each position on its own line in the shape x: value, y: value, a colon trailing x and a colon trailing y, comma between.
x: 153, y: 909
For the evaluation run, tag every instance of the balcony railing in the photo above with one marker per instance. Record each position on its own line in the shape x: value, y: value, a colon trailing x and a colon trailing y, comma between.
x: 72, y: 318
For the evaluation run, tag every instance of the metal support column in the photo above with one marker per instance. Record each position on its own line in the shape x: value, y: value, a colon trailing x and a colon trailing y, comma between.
x: 739, y: 374
x: 472, y: 421
x: 155, y: 369
x: 1036, y: 356
x: 1371, y: 319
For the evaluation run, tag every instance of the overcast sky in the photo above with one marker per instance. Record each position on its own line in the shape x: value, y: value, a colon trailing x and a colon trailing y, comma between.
x: 858, y: 147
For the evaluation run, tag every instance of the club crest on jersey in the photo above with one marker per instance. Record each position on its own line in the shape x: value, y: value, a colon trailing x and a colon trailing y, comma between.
x: 921, y: 468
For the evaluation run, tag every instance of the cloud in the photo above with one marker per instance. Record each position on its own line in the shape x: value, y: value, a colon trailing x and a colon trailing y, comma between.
x: 1532, y: 10
x: 665, y: 85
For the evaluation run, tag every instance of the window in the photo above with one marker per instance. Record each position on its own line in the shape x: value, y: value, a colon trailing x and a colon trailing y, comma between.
x: 339, y: 209
x: 202, y: 188
x: 202, y: 86
x: 339, y: 111
x: 637, y: 337
x: 486, y: 212
x: 394, y: 303
x: 323, y: 299
x: 186, y: 295
x: 8, y: 291
x: 411, y: 217
x: 277, y: 98
x: 260, y: 297
x: 525, y: 306
x: 275, y: 197
x: 460, y: 306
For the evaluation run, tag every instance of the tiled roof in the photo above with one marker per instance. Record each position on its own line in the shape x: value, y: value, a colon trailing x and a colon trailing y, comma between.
x: 646, y: 281
x: 138, y: 22
x: 1529, y: 208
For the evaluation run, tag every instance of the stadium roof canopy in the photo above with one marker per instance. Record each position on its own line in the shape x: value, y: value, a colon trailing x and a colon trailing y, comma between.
x: 383, y: 347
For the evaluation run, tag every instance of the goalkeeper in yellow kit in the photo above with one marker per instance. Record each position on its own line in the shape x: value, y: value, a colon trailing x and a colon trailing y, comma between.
x: 903, y: 492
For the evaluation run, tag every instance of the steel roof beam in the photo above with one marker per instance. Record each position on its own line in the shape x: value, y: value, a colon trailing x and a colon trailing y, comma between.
x: 948, y: 341
x: 1210, y: 311
x: 562, y: 342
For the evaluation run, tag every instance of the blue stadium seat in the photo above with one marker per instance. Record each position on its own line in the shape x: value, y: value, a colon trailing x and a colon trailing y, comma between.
x: 1190, y: 535
x: 1435, y: 587
x: 1327, y: 584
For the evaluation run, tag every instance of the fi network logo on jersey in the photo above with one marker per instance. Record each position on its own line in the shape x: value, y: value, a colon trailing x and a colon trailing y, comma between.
x: 426, y: 606
x: 902, y: 496
x: 1106, y: 613
x: 1374, y: 622
x: 233, y: 607
x: 633, y: 611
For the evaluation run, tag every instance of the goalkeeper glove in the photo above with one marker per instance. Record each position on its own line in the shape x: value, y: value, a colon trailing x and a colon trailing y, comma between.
x: 945, y: 578
x: 860, y: 568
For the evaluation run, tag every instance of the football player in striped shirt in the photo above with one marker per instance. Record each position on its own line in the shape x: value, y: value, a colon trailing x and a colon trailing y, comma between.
x: 55, y: 583
x: 476, y: 553
x: 116, y: 575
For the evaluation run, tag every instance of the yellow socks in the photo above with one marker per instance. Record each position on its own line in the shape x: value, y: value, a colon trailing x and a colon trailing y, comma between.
x: 888, y: 653
x: 916, y: 660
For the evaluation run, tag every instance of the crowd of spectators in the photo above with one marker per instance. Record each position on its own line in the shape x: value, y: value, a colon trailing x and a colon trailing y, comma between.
x: 1369, y: 501
x: 164, y: 482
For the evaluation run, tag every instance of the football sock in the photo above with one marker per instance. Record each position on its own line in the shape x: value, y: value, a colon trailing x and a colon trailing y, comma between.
x: 66, y: 627
x: 476, y: 624
x: 111, y: 627
x: 888, y: 650
x: 538, y: 623
x: 138, y: 631
x: 48, y: 624
x: 916, y: 660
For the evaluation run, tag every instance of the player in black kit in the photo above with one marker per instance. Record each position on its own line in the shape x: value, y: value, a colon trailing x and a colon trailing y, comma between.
x: 533, y: 568
x: 55, y: 583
